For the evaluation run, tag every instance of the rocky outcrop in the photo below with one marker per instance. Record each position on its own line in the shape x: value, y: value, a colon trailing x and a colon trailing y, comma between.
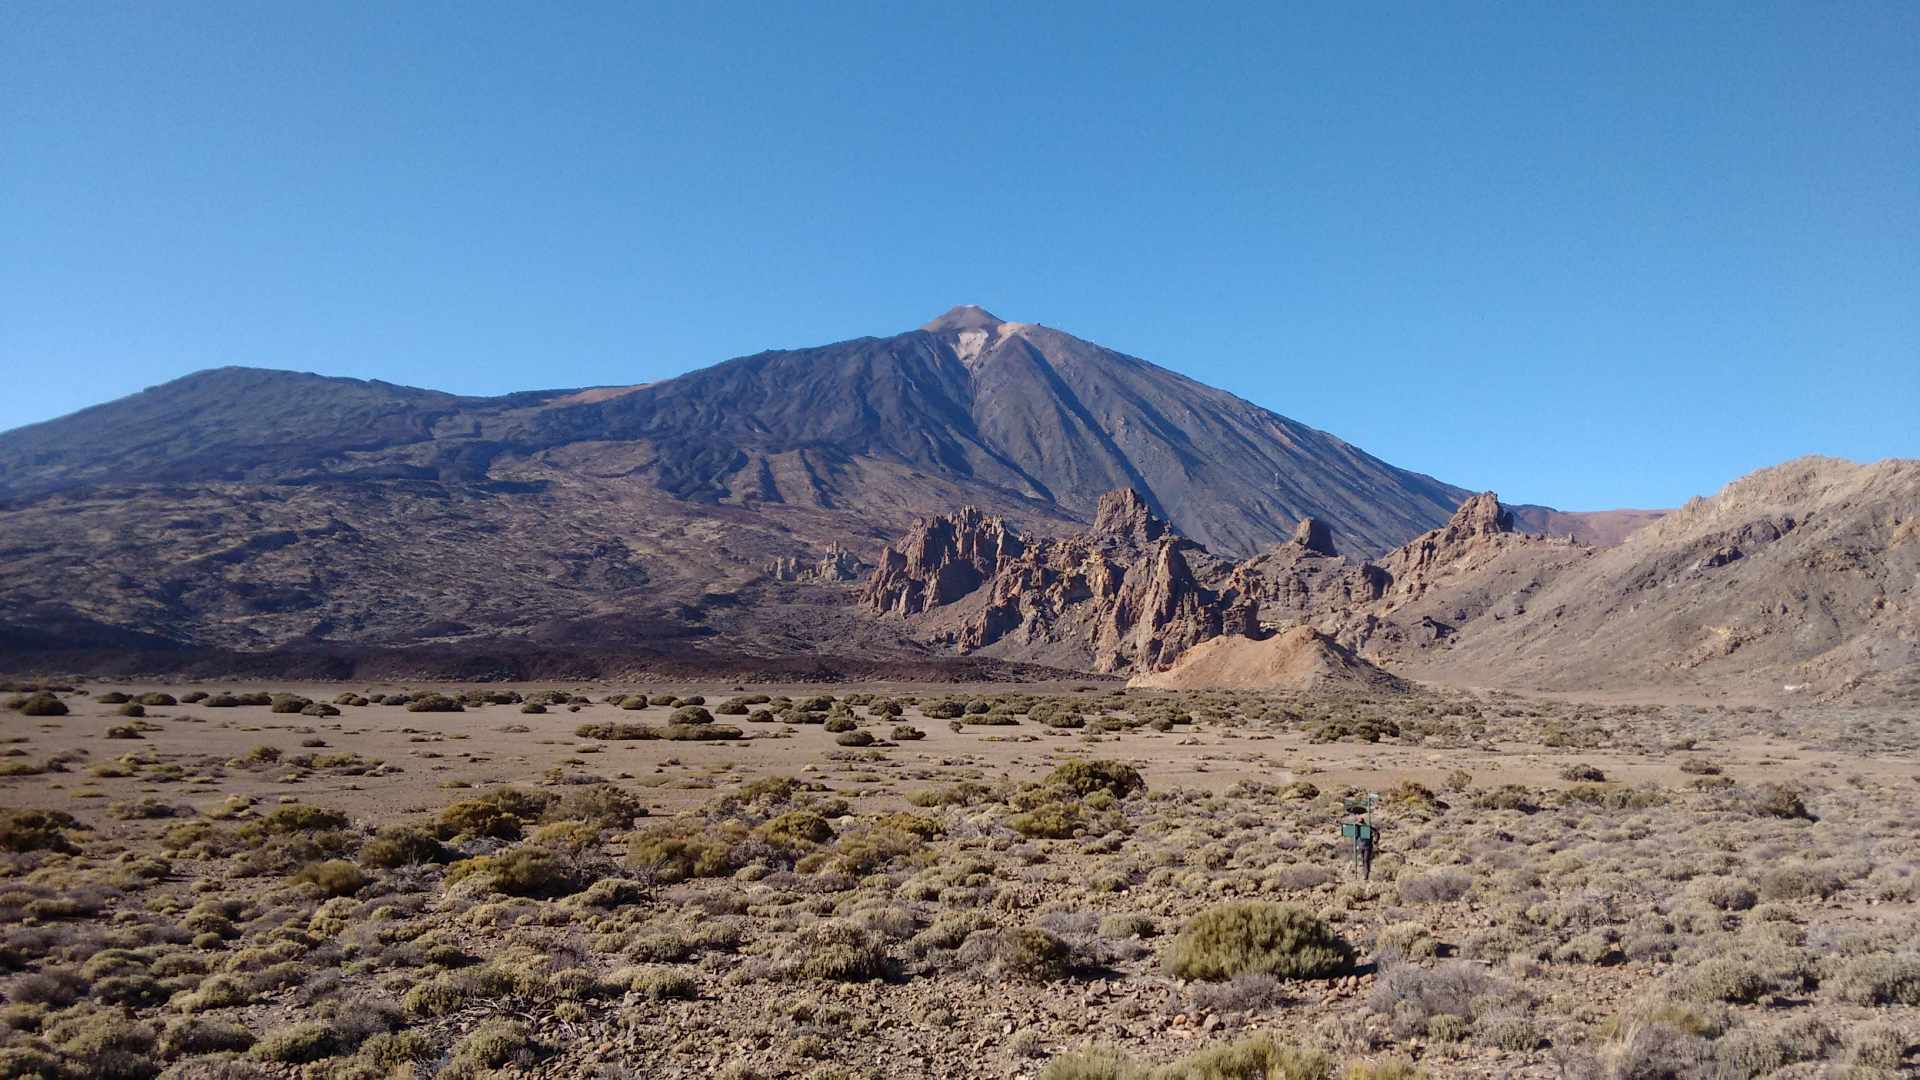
x: 1796, y: 580
x: 1125, y: 595
x: 837, y: 564
x: 939, y: 561
x: 1313, y: 535
x: 1125, y: 516
x: 1129, y: 594
x: 1419, y: 595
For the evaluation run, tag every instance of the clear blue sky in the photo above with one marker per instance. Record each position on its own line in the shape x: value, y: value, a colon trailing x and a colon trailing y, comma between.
x: 1590, y: 256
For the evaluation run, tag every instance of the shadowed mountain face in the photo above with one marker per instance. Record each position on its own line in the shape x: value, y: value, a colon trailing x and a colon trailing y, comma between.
x: 253, y: 508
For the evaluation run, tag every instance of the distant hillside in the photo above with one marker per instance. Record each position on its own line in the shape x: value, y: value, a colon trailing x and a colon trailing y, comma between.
x: 1804, y: 578
x: 1805, y: 575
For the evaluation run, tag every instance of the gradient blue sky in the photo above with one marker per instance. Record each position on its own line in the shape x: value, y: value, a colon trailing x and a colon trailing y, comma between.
x: 1591, y: 256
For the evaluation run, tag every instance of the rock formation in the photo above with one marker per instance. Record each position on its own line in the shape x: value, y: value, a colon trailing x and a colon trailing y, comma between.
x: 1313, y: 535
x: 837, y: 564
x: 1126, y: 594
x: 1131, y: 595
x: 941, y: 560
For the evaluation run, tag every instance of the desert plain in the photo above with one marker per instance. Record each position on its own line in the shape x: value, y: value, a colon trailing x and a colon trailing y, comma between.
x: 1065, y: 880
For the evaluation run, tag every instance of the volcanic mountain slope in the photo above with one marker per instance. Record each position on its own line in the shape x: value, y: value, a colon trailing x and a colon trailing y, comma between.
x: 1026, y: 417
x: 253, y: 509
x: 1805, y: 575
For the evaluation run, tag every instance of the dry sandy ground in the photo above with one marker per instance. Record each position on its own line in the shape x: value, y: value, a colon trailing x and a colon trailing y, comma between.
x: 1527, y: 918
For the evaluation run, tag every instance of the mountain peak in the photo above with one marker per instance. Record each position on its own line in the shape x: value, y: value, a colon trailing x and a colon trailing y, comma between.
x: 964, y: 317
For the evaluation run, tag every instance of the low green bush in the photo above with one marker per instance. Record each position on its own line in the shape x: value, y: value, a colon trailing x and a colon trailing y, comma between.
x: 1257, y: 938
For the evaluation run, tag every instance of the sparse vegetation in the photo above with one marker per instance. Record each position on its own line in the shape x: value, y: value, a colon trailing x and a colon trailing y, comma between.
x: 1129, y: 863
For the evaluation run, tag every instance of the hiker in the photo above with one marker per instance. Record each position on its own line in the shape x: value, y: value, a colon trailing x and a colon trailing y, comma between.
x: 1365, y: 835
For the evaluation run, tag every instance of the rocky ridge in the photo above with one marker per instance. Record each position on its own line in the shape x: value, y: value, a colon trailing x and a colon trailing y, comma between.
x: 1130, y: 595
x: 1803, y: 578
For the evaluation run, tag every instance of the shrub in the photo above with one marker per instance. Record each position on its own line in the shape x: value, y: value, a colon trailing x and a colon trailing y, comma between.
x: 1257, y: 937
x: 615, y: 731
x: 309, y: 1040
x: 401, y: 845
x: 521, y: 871
x: 1053, y: 820
x: 1127, y: 926
x: 124, y: 731
x: 1752, y: 1050
x: 334, y: 877
x: 42, y: 704
x: 1027, y: 954
x: 678, y: 852
x: 427, y: 703
x: 191, y: 1038
x: 1507, y: 797
x: 907, y: 733
x: 498, y: 814
x: 1097, y: 1063
x: 854, y: 738
x: 698, y: 732
x: 1255, y: 1057
x: 1083, y: 778
x: 495, y: 1044
x: 299, y: 817
x: 1427, y: 1001
x: 964, y: 793
x: 663, y: 984
x: 1798, y: 881
x: 1725, y: 893
x: 54, y: 987
x: 1583, y: 773
x: 842, y: 722
x: 1258, y: 1057
x: 1777, y: 800
x: 1359, y: 728
x: 604, y: 806
x: 690, y: 714
x: 837, y: 951
x: 1731, y: 979
x: 1879, y: 980
x: 22, y: 831
x: 145, y: 809
x: 289, y: 703
x: 797, y: 829
x: 112, y: 697
x: 1439, y: 887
